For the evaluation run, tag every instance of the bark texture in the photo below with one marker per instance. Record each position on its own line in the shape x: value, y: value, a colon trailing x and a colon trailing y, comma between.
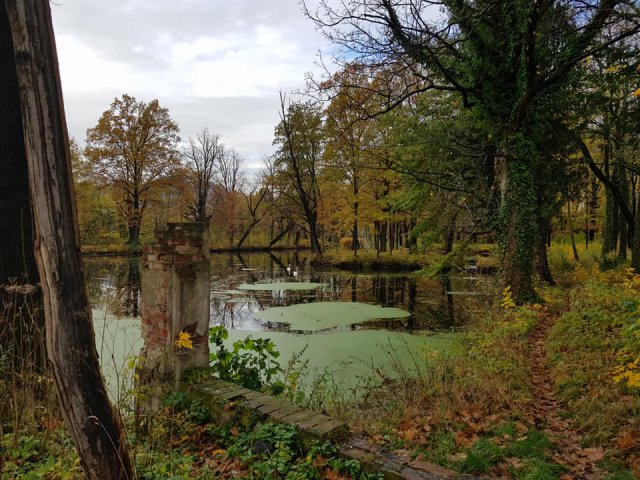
x: 71, y: 348
x: 16, y: 227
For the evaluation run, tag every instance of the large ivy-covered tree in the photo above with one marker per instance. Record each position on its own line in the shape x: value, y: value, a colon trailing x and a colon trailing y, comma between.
x: 133, y: 147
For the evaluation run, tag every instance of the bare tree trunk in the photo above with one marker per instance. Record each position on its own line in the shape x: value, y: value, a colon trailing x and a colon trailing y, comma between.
x: 449, y: 235
x: 16, y: 222
x: 91, y: 421
x: 635, y: 246
x: 540, y: 260
x: 247, y: 231
x: 285, y: 230
x: 354, y: 230
x: 593, y: 208
x: 253, y: 210
x: 623, y: 184
x: 571, y: 235
x: 22, y: 332
x: 313, y: 233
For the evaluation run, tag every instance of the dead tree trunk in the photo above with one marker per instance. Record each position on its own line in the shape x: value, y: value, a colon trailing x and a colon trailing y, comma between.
x: 252, y: 207
x: 21, y: 330
x: 571, y: 235
x: 71, y: 348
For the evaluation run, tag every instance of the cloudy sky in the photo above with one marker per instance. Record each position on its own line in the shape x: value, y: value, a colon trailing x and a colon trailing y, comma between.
x: 213, y: 63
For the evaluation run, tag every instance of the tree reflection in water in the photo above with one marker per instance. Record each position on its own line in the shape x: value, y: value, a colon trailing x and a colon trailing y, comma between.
x: 115, y: 283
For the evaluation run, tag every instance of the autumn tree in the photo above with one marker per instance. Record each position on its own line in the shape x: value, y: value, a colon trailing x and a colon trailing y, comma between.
x: 132, y: 147
x: 505, y: 59
x: 350, y: 142
x: 202, y: 158
x: 225, y: 198
x: 97, y: 211
x: 299, y: 138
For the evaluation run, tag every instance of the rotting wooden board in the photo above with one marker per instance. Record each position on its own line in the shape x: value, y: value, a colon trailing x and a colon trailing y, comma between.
x: 234, y: 394
x: 285, y: 411
x: 374, y: 458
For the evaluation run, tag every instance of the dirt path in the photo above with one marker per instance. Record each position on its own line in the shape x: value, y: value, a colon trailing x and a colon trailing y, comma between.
x: 547, y: 412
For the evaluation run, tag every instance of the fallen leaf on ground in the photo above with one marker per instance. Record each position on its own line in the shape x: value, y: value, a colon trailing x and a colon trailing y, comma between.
x: 627, y: 440
x: 594, y: 453
x: 458, y: 457
x: 514, y: 462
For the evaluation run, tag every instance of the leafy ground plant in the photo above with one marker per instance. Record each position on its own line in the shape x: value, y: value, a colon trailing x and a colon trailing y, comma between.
x: 274, y: 451
x: 180, y: 446
x: 252, y: 362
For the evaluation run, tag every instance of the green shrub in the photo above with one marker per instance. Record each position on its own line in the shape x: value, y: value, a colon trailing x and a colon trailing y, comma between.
x: 251, y: 363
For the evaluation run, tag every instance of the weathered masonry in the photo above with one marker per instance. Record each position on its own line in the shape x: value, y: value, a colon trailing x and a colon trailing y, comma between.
x: 175, y: 300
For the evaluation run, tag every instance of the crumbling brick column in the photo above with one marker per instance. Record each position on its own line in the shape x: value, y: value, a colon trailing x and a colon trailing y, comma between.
x: 175, y: 299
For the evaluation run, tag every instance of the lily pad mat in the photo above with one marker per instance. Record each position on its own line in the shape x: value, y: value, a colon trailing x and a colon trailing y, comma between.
x: 311, y: 317
x: 280, y: 286
x: 351, y: 356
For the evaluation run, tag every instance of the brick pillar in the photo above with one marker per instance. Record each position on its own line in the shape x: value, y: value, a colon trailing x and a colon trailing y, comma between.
x: 175, y: 298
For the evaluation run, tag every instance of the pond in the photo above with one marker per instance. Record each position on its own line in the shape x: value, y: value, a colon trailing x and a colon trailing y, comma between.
x: 343, y: 324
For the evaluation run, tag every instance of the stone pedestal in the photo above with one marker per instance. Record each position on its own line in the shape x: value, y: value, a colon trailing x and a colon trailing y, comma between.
x: 175, y: 299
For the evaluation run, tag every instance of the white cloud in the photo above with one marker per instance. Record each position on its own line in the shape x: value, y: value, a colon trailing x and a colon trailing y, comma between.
x: 213, y: 63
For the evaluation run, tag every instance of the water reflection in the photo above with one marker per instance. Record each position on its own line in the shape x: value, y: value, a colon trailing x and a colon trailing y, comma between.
x: 437, y: 305
x: 431, y: 302
x: 113, y: 285
x: 348, y: 351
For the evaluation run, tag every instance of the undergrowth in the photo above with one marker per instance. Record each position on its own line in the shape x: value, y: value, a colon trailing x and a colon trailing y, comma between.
x: 593, y: 349
x: 469, y: 411
x: 466, y: 411
x: 181, y: 443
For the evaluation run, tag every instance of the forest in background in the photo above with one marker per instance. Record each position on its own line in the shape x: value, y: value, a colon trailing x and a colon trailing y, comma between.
x: 135, y: 174
x: 398, y: 153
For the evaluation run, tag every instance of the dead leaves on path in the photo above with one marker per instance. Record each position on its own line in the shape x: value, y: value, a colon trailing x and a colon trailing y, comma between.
x: 627, y: 440
x: 547, y: 411
x: 543, y: 411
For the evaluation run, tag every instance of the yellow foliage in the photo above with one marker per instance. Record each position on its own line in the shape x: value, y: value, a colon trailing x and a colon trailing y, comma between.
x: 184, y: 341
x: 629, y: 373
x: 614, y: 68
x: 632, y: 280
x: 613, y: 276
x: 507, y: 298
x: 636, y: 93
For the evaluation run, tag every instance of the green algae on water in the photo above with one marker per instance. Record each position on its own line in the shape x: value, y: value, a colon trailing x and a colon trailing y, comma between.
x: 311, y: 317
